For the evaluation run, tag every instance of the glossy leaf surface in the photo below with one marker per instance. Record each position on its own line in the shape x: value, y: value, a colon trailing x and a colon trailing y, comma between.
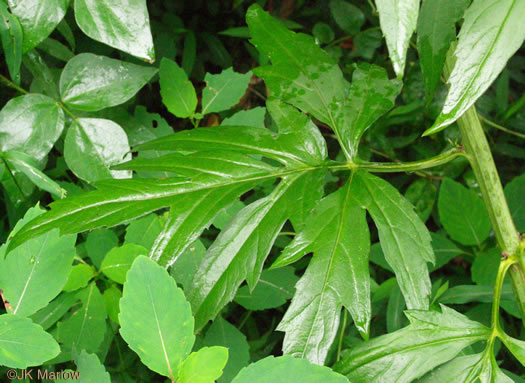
x: 92, y: 145
x: 38, y: 18
x: 337, y: 275
x: 30, y: 124
x: 12, y: 39
x: 398, y: 19
x: 436, y: 29
x: 155, y: 318
x: 404, y: 354
x: 492, y: 31
x: 404, y: 238
x: 121, y: 24
x: 90, y: 82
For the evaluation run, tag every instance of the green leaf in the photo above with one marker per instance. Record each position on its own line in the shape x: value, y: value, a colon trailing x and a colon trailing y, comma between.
x: 90, y: 369
x: 203, y: 366
x: 85, y: 329
x: 491, y: 33
x: 398, y: 19
x: 274, y: 288
x: 370, y: 95
x: 50, y: 314
x: 514, y: 194
x: 301, y: 73
x: 394, y: 310
x: 337, y: 275
x: 466, y: 222
x: 43, y: 79
x: 28, y: 166
x: 79, y: 277
x: 481, y: 368
x: 301, y: 130
x: 403, y: 356
x: 349, y: 17
x: 515, y: 346
x: 112, y: 299
x: 119, y: 260
x: 155, y: 318
x: 223, y: 90
x: 120, y: 24
x: 323, y: 33
x: 436, y: 29
x: 222, y: 333
x: 56, y: 49
x: 485, y: 266
x: 240, y: 250
x: 469, y: 293
x: 92, y: 145
x: 285, y: 369
x: 23, y: 343
x: 253, y: 117
x: 404, y: 238
x: 90, y: 82
x: 281, y: 147
x: 30, y: 124
x: 38, y: 18
x: 444, y: 249
x: 98, y: 243
x: 185, y: 267
x: 422, y: 194
x: 189, y: 52
x: 178, y: 93
x: 144, y: 230
x: 12, y: 39
x: 25, y: 272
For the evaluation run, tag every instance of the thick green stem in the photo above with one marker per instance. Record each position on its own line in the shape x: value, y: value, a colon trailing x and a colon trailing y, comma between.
x: 477, y: 148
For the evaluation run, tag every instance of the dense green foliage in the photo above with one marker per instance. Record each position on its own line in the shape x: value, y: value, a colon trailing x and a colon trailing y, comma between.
x: 283, y: 191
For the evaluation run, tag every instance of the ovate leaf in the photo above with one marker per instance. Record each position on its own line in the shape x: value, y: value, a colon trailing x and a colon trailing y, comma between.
x: 466, y: 222
x: 398, y: 19
x: 92, y: 145
x: 178, y: 93
x: 24, y: 272
x: 90, y: 369
x: 349, y: 17
x: 23, y: 343
x: 79, y: 277
x: 12, y: 39
x: 337, y: 234
x: 431, y: 339
x: 30, y: 124
x: 90, y: 82
x: 222, y: 333
x: 203, y: 366
x: 38, y: 18
x: 155, y: 318
x: 436, y: 29
x: 274, y: 288
x: 121, y: 24
x: 492, y: 31
x: 285, y: 369
x: 223, y: 90
x: 118, y: 261
x: 253, y: 117
x: 85, y: 329
x: 403, y: 236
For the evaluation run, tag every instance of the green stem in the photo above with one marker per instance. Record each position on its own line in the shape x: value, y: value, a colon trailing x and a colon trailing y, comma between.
x: 502, y: 128
x: 477, y: 148
x: 11, y: 84
x: 342, y: 335
x: 504, y: 265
